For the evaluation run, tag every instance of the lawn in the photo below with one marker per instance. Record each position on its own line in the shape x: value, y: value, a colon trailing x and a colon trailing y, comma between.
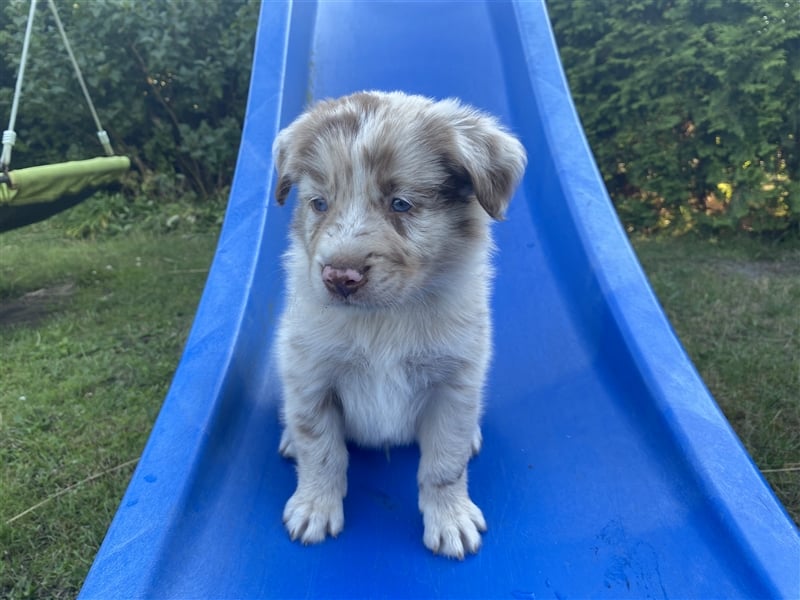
x: 91, y: 332
x: 736, y: 307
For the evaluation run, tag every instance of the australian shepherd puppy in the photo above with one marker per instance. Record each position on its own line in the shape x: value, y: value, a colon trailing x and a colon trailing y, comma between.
x: 386, y: 334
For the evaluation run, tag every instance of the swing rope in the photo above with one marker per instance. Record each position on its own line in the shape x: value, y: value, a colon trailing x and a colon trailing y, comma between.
x: 101, y: 133
x: 9, y: 135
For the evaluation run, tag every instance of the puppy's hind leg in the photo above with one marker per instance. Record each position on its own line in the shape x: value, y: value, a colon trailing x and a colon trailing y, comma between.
x: 447, y: 440
x: 315, y: 431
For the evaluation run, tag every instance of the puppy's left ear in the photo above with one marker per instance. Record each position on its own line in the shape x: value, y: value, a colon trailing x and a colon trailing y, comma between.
x: 493, y: 158
x: 280, y: 154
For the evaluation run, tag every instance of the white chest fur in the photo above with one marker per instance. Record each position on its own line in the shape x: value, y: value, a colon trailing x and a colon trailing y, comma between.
x: 380, y: 402
x: 382, y: 366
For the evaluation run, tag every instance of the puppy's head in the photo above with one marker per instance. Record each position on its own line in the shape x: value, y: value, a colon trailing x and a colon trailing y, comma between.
x: 395, y: 193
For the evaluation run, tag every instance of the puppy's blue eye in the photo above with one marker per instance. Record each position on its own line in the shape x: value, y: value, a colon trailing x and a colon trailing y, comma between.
x: 319, y: 204
x: 401, y: 205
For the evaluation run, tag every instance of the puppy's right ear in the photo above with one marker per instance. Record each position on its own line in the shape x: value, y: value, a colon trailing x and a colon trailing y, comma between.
x: 280, y: 153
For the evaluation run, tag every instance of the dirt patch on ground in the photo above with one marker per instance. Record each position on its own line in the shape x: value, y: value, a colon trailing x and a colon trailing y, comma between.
x: 35, y: 306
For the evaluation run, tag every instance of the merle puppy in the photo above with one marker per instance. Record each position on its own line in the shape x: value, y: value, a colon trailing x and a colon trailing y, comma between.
x: 386, y: 335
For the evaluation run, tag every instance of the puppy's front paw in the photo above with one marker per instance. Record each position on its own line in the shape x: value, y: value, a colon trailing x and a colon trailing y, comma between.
x: 309, y: 516
x: 452, y: 526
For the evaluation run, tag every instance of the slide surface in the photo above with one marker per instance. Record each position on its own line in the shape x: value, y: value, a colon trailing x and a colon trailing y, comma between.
x: 607, y: 469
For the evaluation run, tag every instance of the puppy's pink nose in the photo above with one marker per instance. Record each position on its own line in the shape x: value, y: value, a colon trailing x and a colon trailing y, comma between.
x: 342, y: 280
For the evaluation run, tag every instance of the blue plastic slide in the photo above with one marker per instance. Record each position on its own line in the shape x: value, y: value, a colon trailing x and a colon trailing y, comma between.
x: 607, y: 469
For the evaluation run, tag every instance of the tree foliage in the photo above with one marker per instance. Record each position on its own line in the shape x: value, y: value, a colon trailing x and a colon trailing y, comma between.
x: 692, y: 107
x: 169, y: 80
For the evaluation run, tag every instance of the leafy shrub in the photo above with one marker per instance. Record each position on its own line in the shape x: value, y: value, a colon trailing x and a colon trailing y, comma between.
x: 169, y: 80
x: 692, y: 107
x: 107, y: 214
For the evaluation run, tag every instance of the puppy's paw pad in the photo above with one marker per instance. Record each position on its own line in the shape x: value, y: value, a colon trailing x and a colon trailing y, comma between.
x: 454, y: 530
x: 309, y: 518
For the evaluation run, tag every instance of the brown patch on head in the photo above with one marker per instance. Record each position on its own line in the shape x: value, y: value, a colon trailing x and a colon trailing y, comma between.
x: 380, y: 162
x: 366, y: 102
x: 457, y: 185
x: 329, y: 126
x: 467, y: 226
x: 465, y: 220
x: 336, y: 126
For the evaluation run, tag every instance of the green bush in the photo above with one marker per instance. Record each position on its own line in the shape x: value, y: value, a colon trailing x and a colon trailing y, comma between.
x: 692, y: 108
x: 169, y: 80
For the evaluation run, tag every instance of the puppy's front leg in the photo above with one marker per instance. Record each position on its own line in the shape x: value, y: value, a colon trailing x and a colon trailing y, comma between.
x: 447, y: 438
x: 317, y: 440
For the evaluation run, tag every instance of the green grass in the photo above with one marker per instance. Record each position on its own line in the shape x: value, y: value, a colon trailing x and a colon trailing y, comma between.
x: 86, y: 361
x: 91, y: 332
x: 736, y: 307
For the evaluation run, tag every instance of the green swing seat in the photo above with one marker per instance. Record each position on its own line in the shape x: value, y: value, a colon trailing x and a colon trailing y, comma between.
x: 35, y: 193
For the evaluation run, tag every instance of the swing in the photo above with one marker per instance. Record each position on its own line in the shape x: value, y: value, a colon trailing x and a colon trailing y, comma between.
x: 36, y: 193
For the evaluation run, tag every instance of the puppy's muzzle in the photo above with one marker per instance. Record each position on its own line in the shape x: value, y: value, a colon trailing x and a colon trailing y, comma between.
x: 343, y: 281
